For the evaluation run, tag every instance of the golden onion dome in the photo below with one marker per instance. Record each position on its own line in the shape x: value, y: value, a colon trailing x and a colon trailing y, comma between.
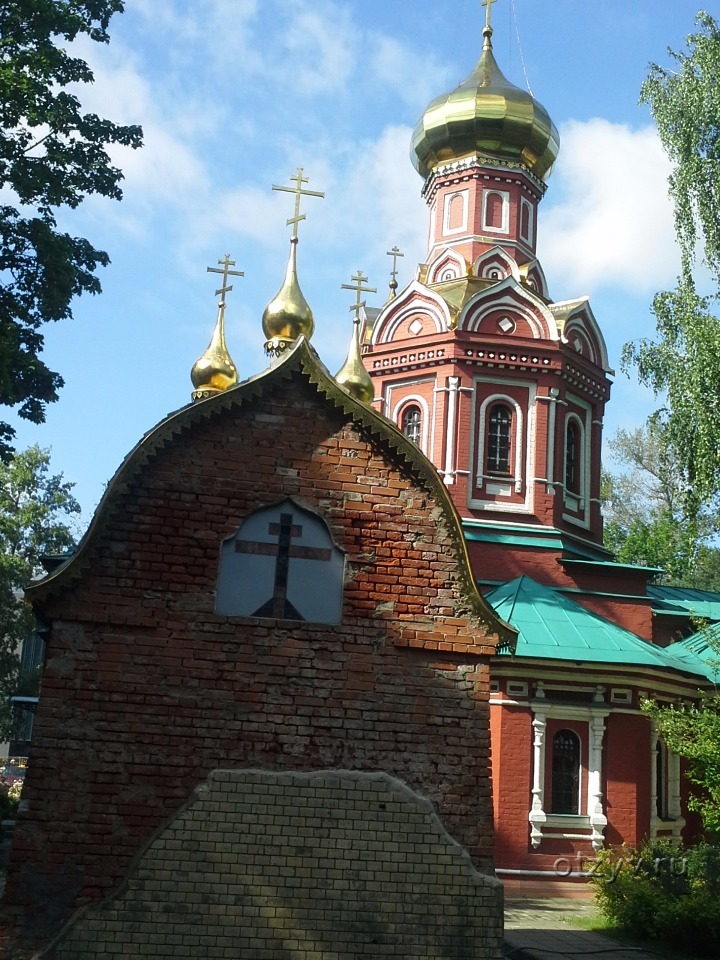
x: 353, y: 375
x: 214, y: 372
x: 489, y: 117
x: 288, y: 316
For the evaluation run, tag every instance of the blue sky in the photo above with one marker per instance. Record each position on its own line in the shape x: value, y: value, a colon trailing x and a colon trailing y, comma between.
x: 234, y: 95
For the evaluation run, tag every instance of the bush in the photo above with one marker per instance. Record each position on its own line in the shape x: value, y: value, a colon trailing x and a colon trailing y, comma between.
x: 664, y: 892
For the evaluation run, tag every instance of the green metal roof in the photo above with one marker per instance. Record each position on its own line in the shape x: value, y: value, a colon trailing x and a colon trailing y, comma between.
x: 701, y: 648
x: 682, y: 601
x: 551, y: 626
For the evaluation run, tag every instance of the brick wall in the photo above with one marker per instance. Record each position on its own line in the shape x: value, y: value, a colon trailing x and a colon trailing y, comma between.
x: 146, y: 690
x: 298, y: 866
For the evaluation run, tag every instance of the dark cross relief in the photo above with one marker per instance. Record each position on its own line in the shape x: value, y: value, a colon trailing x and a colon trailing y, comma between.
x: 279, y: 605
x: 282, y: 564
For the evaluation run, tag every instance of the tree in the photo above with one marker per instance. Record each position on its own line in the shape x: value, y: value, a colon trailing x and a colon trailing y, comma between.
x: 34, y: 509
x: 645, y: 518
x: 684, y: 363
x: 52, y: 155
x: 693, y: 731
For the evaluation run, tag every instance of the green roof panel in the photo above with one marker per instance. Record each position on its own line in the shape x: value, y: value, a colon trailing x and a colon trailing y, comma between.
x: 552, y: 626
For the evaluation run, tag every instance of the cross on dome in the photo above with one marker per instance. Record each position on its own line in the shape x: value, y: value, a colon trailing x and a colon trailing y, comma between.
x: 226, y: 272
x: 299, y: 180
x: 357, y: 286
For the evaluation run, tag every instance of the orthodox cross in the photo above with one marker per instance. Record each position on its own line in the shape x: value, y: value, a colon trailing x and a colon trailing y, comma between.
x: 299, y: 180
x: 226, y: 272
x: 488, y: 8
x: 395, y: 254
x: 357, y: 286
x: 286, y: 531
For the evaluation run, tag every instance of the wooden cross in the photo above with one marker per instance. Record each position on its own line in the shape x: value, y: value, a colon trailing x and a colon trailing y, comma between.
x: 299, y: 180
x: 357, y: 286
x: 226, y: 272
x: 286, y: 531
x: 488, y: 8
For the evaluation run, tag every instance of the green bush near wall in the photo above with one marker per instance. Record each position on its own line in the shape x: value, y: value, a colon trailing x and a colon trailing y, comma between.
x: 663, y: 891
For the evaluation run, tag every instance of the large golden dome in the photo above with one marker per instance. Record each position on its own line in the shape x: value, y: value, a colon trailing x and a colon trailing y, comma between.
x: 486, y: 116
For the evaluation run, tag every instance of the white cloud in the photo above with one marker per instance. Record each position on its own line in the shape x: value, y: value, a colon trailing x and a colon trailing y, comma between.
x: 613, y: 222
x: 320, y: 45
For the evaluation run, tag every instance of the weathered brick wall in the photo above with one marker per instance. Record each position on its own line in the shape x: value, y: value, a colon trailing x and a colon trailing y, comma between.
x: 298, y: 866
x: 146, y: 690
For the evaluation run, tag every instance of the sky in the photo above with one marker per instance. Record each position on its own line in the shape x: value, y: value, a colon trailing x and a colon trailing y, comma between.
x: 235, y: 95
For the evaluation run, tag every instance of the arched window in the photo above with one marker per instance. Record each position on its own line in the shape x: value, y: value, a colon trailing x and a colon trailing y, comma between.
x: 565, y: 773
x: 499, y: 440
x: 494, y: 211
x: 456, y: 212
x: 411, y: 423
x: 572, y: 457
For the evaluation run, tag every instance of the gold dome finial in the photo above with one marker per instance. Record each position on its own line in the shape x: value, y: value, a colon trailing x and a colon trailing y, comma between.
x: 395, y: 254
x: 214, y: 372
x: 353, y: 375
x: 288, y: 316
x: 486, y: 118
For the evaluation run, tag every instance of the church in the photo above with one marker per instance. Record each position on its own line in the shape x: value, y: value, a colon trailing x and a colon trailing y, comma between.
x: 337, y: 652
x: 504, y: 390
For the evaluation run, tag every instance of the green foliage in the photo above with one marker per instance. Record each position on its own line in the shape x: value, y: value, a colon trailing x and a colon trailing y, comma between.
x: 34, y: 508
x: 693, y: 731
x: 663, y: 892
x: 52, y: 155
x: 684, y: 363
x: 646, y: 520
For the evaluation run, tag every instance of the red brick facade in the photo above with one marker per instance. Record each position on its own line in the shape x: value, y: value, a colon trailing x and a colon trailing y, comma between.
x: 146, y: 689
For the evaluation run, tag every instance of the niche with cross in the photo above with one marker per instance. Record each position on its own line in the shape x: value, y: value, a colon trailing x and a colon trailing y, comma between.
x: 282, y: 563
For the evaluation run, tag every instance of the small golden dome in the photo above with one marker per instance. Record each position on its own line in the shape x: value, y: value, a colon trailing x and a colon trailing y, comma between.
x: 353, y: 375
x: 214, y: 372
x: 486, y: 116
x: 288, y: 316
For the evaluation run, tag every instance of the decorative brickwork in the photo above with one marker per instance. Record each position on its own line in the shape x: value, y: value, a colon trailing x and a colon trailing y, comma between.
x: 298, y: 867
x: 147, y: 689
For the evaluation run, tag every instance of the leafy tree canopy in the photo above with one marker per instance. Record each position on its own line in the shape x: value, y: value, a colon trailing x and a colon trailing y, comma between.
x: 693, y: 732
x: 684, y: 363
x: 52, y: 155
x: 645, y: 518
x: 35, y: 508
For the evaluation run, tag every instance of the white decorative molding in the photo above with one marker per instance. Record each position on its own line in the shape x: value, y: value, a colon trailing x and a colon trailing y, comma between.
x: 452, y: 404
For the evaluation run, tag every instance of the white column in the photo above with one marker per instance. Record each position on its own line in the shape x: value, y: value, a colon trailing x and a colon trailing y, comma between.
x: 598, y: 820
x: 537, y: 813
x: 450, y: 439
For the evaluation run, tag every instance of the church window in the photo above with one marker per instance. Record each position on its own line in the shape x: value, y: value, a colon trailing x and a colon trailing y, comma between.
x: 411, y: 423
x: 455, y: 215
x: 281, y: 564
x: 497, y: 211
x: 526, y: 221
x: 565, y: 773
x: 456, y: 212
x: 499, y: 440
x: 661, y: 780
x: 572, y: 457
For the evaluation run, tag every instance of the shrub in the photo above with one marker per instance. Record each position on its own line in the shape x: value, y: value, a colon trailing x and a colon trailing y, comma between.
x: 663, y: 892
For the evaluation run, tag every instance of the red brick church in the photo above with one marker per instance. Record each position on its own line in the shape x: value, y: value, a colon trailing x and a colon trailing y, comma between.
x: 504, y: 389
x: 324, y: 632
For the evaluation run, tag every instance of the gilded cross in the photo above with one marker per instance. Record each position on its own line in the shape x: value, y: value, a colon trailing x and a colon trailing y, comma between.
x: 357, y: 286
x: 226, y: 272
x: 488, y: 8
x: 395, y: 254
x: 299, y: 180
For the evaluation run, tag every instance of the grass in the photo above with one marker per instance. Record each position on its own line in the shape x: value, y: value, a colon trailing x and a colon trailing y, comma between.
x: 598, y: 924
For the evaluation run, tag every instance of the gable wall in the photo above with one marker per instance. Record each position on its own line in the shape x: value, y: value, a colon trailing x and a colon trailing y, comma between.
x: 146, y: 690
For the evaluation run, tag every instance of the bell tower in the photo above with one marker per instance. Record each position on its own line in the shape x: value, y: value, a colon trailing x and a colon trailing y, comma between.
x: 503, y: 388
